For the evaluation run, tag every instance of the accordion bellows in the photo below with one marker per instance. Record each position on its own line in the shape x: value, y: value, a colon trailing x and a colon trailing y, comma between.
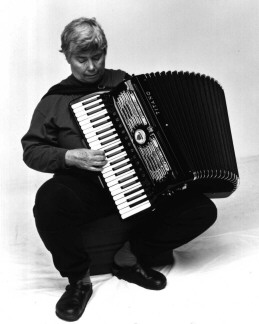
x: 164, y: 131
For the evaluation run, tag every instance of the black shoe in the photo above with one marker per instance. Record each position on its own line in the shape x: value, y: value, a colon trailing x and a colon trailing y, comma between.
x: 72, y: 303
x: 144, y: 277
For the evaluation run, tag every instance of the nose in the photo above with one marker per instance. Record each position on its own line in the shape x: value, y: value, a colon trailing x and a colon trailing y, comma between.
x: 90, y: 65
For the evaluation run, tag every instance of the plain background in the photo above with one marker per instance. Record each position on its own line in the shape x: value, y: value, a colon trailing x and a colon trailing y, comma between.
x: 215, y: 277
x: 216, y: 38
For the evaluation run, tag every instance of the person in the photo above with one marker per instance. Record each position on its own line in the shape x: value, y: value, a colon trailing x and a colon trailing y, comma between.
x: 74, y: 197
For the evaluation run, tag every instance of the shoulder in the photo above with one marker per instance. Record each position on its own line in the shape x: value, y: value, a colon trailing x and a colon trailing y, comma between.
x: 113, y: 77
x: 56, y: 99
x: 50, y: 105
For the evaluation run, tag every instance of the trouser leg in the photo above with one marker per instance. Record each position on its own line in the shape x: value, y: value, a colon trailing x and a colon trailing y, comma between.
x: 176, y: 220
x: 60, y: 213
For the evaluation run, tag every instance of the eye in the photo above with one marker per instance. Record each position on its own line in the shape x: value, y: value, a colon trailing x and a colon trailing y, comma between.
x: 81, y: 60
x: 97, y: 57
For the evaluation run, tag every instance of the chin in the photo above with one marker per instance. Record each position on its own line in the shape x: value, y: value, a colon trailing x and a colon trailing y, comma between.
x: 91, y: 80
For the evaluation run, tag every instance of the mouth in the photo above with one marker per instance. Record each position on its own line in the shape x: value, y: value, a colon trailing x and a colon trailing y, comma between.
x: 91, y: 75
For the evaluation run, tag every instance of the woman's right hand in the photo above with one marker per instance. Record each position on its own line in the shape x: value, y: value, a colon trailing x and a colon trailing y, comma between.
x: 92, y: 160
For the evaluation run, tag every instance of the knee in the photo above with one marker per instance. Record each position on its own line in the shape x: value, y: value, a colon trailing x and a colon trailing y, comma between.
x: 210, y: 211
x: 47, y: 197
x: 51, y: 201
x: 190, y: 207
x: 201, y: 209
x: 203, y: 212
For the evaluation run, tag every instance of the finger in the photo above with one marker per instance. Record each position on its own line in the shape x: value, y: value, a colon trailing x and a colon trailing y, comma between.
x: 99, y: 158
x: 99, y: 163
x: 98, y: 152
x: 95, y: 169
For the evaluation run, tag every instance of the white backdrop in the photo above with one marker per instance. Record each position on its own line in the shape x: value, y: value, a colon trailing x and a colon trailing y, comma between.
x: 217, y: 38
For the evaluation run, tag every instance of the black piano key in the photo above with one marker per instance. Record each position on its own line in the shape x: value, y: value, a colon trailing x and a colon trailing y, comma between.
x: 118, y: 160
x: 112, y: 148
x: 137, y: 203
x: 135, y: 197
x: 132, y: 191
x: 98, y: 118
x: 121, y: 165
x: 109, y: 141
x: 95, y: 111
x: 101, y: 123
x: 129, y: 184
x: 127, y: 178
x: 115, y: 153
x: 104, y: 130
x: 107, y: 135
x: 123, y: 171
x: 91, y: 100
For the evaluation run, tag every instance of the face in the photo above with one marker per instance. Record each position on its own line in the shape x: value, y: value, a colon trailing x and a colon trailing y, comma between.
x: 88, y: 67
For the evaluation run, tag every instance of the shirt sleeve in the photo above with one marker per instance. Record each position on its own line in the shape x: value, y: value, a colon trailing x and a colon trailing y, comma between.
x: 40, y: 145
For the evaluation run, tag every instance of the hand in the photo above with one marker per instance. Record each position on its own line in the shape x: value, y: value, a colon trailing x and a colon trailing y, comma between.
x: 92, y: 160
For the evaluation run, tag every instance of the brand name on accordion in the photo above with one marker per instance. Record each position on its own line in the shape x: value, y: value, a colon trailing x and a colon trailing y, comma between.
x: 152, y: 102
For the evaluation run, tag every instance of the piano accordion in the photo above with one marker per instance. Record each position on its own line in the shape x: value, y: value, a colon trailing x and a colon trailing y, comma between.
x: 161, y: 132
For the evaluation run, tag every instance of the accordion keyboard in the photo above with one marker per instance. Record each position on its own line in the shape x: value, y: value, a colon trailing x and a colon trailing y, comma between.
x: 119, y: 173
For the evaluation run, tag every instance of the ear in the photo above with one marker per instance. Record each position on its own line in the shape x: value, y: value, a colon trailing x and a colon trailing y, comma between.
x: 68, y: 59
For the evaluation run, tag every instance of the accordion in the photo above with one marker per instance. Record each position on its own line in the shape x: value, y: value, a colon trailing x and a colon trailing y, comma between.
x: 161, y: 132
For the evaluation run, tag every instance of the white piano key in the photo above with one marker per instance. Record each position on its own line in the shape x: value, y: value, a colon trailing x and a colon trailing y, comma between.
x: 115, y: 180
x: 127, y: 204
x: 83, y: 102
x: 97, y: 145
x: 117, y: 165
x: 97, y: 114
x: 115, y: 192
x: 122, y: 193
x: 81, y: 111
x: 91, y: 110
x: 80, y: 108
x: 118, y: 187
x: 109, y: 146
x: 128, y: 208
x: 114, y: 158
x: 112, y: 174
x: 115, y: 151
x: 84, y: 117
x: 112, y: 146
x: 86, y: 126
x: 89, y: 104
x: 100, y: 121
x: 112, y: 136
x: 93, y: 125
x: 91, y: 130
x: 137, y: 209
x: 124, y: 199
x: 93, y: 137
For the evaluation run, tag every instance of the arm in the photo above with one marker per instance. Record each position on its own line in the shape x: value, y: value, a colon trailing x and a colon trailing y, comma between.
x: 42, y: 151
x: 40, y: 145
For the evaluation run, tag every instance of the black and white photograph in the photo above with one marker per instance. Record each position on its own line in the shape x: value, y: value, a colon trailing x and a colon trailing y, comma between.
x: 129, y: 161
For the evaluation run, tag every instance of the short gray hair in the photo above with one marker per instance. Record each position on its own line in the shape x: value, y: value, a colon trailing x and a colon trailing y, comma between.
x: 82, y: 34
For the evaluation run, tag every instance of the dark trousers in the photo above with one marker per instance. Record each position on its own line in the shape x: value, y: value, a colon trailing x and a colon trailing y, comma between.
x: 65, y: 205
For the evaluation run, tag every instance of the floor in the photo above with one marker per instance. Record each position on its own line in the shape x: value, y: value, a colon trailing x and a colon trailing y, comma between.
x: 213, y: 281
